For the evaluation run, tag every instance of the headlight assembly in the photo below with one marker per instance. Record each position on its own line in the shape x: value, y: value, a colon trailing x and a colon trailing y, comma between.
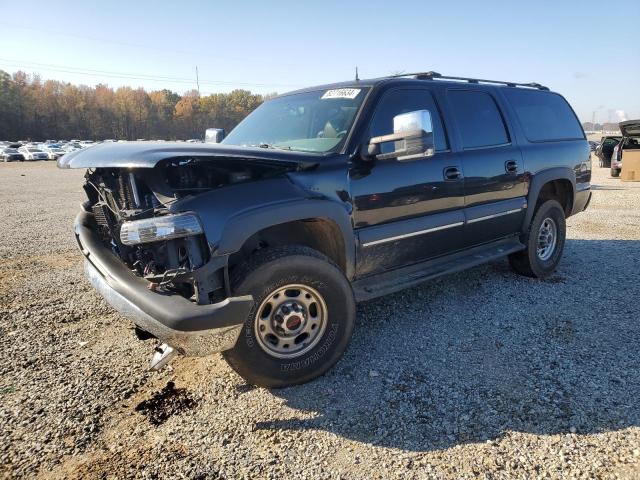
x: 159, y: 228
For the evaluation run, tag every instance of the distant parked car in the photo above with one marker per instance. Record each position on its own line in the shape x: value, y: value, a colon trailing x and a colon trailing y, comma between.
x: 87, y: 143
x: 32, y: 153
x: 11, y: 155
x: 630, y: 141
x: 54, y: 152
x: 72, y: 147
x: 605, y: 150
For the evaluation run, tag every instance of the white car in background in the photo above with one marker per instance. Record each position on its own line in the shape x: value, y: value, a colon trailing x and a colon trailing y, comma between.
x: 87, y: 143
x: 54, y: 152
x: 72, y: 147
x: 33, y: 153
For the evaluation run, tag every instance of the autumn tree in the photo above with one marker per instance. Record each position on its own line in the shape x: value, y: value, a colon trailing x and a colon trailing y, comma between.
x: 38, y: 110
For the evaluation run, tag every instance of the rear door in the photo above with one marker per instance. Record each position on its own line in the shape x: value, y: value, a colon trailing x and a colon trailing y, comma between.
x: 494, y: 185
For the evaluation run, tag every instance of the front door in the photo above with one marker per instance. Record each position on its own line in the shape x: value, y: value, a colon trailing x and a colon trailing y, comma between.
x: 406, y: 211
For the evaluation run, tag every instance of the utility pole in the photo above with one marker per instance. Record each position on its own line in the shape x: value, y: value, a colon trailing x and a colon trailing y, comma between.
x: 197, y: 80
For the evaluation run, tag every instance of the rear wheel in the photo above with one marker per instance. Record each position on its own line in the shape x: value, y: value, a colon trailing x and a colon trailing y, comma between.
x: 615, y: 172
x: 302, y: 319
x: 544, y: 240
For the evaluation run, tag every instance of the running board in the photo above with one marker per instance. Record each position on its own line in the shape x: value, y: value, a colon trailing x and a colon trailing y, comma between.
x: 400, y: 278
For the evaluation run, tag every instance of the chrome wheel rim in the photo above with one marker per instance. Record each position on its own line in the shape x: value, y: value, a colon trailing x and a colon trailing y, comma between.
x: 547, y: 239
x: 290, y: 321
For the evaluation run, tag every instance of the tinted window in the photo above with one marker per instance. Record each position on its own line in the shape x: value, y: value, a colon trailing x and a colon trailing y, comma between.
x: 402, y: 101
x: 544, y: 116
x: 478, y: 118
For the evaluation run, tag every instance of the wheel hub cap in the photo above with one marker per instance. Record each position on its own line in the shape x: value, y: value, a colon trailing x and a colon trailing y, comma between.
x: 547, y: 239
x: 290, y: 321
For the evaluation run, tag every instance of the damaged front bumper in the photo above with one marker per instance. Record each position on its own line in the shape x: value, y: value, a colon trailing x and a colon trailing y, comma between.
x: 189, y: 328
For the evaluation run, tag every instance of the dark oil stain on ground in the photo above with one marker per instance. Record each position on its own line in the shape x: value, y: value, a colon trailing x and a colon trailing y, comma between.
x: 165, y: 403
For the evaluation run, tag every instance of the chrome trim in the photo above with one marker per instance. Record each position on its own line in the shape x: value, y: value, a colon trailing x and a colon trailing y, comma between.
x: 412, y: 234
x: 495, y: 215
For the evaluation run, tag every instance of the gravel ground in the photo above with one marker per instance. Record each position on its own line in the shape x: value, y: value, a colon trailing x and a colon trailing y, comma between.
x: 480, y: 374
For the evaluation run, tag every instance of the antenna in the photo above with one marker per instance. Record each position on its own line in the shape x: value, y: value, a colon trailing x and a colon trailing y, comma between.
x: 197, y: 80
x: 357, y: 79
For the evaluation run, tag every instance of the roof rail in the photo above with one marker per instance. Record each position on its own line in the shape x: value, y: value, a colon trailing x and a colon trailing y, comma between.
x: 435, y: 75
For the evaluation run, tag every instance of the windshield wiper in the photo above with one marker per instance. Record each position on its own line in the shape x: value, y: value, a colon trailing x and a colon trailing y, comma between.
x: 271, y: 145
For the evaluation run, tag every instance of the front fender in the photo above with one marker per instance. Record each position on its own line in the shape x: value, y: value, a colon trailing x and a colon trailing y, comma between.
x: 232, y: 214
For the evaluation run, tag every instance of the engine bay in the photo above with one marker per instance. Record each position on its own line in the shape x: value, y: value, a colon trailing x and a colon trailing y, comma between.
x: 117, y: 195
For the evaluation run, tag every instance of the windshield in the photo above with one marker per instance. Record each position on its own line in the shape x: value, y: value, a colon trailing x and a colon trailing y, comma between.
x: 311, y: 122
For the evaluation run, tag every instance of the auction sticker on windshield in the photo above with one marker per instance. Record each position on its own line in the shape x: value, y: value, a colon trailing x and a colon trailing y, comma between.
x: 350, y: 93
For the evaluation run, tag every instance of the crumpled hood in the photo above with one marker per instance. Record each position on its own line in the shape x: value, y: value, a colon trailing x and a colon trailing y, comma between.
x: 148, y: 154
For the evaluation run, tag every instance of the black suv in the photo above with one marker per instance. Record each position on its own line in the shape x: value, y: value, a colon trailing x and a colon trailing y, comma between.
x: 261, y: 246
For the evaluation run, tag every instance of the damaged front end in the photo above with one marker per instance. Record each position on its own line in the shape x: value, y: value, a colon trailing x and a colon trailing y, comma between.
x: 153, y: 262
x: 132, y: 218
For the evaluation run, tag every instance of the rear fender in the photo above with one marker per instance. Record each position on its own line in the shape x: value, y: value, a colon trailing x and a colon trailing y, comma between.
x: 538, y: 181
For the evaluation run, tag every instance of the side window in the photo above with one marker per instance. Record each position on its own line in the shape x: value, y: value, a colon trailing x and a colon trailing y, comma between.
x: 402, y: 101
x: 478, y: 118
x: 544, y: 116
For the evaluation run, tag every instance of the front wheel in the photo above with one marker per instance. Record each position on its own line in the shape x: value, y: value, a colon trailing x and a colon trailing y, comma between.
x: 301, y: 321
x: 544, y: 240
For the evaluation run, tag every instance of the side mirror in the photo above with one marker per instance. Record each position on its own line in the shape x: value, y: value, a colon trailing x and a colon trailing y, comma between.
x: 214, y: 135
x: 412, y: 136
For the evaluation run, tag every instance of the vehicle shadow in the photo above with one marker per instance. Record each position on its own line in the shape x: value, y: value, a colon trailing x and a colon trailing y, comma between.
x: 474, y: 355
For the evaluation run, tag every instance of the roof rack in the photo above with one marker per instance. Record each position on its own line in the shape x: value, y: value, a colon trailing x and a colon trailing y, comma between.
x: 436, y: 75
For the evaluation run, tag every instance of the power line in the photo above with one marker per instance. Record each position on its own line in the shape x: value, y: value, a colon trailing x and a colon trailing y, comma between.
x: 48, y: 32
x: 130, y: 76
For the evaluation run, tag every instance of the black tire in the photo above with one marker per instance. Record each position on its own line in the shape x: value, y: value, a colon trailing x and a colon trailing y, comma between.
x: 527, y: 262
x: 615, y: 172
x: 264, y: 273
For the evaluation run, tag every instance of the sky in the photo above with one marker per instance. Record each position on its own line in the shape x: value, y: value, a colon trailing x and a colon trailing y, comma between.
x: 580, y: 49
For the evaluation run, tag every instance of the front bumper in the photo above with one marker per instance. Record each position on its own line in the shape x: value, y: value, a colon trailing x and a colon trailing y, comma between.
x: 191, y: 329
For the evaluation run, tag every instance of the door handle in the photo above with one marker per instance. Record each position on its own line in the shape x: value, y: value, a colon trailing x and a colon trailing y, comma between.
x: 452, y: 173
x: 511, y: 166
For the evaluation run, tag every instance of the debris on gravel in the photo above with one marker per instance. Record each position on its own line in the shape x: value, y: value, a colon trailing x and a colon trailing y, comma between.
x: 480, y: 374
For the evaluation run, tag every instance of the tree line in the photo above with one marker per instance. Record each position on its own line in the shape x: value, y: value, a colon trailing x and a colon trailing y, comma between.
x: 33, y: 109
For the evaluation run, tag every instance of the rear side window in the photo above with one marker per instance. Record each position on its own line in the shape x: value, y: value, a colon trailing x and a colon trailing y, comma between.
x: 478, y: 119
x: 544, y: 116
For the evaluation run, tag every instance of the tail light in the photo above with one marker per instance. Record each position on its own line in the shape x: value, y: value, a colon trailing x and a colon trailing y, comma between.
x: 617, y: 153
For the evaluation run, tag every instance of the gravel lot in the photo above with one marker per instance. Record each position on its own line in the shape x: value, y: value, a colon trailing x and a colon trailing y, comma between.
x: 480, y: 374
